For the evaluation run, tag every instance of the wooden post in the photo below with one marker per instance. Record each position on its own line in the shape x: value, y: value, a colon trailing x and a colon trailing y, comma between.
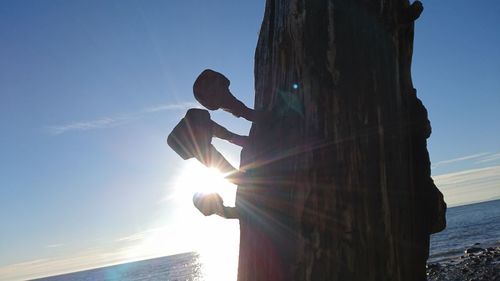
x: 332, y: 196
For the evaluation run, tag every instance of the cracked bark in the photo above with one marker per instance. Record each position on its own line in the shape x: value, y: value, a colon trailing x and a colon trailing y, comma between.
x: 332, y: 197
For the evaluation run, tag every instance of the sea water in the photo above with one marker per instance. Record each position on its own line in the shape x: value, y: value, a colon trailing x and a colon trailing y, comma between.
x: 182, y: 267
x: 466, y: 226
x: 475, y: 225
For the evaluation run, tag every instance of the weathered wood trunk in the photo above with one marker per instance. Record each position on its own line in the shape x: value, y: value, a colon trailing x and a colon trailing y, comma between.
x: 332, y: 197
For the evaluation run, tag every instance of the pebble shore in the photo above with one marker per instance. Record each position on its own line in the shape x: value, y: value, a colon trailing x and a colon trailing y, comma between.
x: 476, y: 264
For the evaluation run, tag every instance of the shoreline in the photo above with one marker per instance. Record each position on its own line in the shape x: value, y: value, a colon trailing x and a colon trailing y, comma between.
x: 476, y: 264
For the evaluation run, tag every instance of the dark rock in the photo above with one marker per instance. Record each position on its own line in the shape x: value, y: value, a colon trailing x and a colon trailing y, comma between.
x: 481, y: 266
x: 433, y: 265
x: 473, y: 250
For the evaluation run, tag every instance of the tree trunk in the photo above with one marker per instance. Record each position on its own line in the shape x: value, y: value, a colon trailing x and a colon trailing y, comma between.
x: 331, y: 196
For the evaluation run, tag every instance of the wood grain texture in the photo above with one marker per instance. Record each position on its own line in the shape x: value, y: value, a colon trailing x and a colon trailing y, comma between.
x: 332, y: 196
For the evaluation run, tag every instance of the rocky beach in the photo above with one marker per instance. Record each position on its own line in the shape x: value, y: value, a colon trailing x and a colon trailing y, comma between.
x: 476, y: 264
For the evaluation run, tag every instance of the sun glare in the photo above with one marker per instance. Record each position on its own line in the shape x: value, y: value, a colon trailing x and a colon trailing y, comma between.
x: 214, y: 238
x: 198, y: 178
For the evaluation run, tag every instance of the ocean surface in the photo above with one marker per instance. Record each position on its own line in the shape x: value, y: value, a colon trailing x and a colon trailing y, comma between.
x: 185, y: 267
x: 466, y: 226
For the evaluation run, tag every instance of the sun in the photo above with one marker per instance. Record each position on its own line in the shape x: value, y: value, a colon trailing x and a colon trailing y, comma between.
x: 217, y: 241
x: 197, y: 178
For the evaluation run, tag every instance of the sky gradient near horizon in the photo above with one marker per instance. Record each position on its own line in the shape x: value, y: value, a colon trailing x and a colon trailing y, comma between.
x: 89, y: 91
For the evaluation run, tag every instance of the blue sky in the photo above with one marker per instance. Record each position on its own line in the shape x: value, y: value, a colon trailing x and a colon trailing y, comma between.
x: 89, y: 91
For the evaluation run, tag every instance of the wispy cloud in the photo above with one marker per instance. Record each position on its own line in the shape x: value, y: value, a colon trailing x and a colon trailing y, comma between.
x: 459, y: 159
x: 470, y: 185
x: 136, y: 236
x: 109, y: 122
x: 86, y: 259
x: 45, y: 267
x: 106, y: 122
x: 489, y: 158
x: 54, y: 245
x: 178, y: 106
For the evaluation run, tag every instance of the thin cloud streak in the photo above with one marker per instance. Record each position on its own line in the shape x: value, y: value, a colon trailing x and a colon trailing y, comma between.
x: 460, y: 159
x: 54, y: 245
x: 47, y: 267
x: 489, y: 158
x: 109, y: 122
x: 87, y: 259
x: 179, y: 106
x: 137, y: 236
x: 470, y: 185
x: 102, y: 123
